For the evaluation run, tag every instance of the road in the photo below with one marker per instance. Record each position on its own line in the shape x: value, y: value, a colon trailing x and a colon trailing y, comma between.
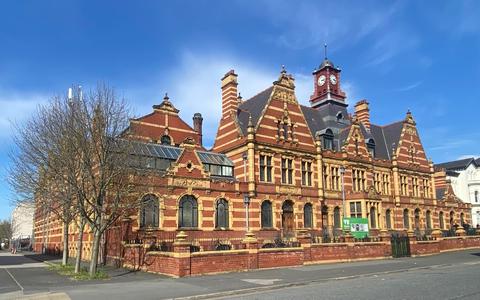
x: 452, y: 275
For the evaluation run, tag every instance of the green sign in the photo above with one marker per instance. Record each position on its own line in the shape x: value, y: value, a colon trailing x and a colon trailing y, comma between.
x: 358, y: 227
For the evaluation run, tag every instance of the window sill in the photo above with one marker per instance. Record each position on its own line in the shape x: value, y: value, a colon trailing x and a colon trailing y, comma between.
x: 222, y: 229
x: 189, y: 229
x: 268, y: 229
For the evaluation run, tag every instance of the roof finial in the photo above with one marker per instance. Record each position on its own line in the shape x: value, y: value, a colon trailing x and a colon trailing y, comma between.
x: 166, y: 98
x: 325, y: 47
x: 283, y: 69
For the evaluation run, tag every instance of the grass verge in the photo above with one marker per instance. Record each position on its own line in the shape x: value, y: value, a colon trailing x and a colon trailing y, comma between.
x: 69, y: 271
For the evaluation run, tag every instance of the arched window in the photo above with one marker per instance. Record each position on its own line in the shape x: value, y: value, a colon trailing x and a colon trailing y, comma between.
x: 149, y: 212
x: 267, y: 214
x: 336, y: 217
x: 388, y: 219
x: 373, y: 217
x: 476, y: 196
x: 327, y: 139
x: 188, y: 212
x: 452, y: 214
x: 165, y: 140
x: 417, y: 218
x: 462, y: 219
x: 441, y: 220
x: 221, y: 214
x: 371, y: 147
x: 429, y: 219
x: 308, y: 216
x: 406, y: 221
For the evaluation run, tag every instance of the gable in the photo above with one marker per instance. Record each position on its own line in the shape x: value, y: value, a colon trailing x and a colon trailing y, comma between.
x: 282, y: 121
x: 410, y: 152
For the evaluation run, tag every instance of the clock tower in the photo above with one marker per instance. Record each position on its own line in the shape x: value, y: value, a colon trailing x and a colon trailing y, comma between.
x: 327, y: 88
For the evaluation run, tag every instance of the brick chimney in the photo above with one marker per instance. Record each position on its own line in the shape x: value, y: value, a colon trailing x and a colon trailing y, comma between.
x: 363, y: 113
x: 197, y: 126
x: 229, y: 93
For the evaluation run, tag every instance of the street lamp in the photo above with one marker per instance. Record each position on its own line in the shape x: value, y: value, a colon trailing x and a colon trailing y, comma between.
x: 342, y: 173
x: 246, y: 201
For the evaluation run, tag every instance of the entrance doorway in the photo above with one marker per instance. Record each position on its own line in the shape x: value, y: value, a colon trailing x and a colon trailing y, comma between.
x: 287, y: 218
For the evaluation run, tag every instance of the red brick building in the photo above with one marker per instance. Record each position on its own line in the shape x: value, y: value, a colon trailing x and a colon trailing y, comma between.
x: 288, y: 160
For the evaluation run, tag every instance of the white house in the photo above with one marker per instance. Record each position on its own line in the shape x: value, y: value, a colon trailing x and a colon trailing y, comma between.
x: 22, y: 222
x: 464, y: 175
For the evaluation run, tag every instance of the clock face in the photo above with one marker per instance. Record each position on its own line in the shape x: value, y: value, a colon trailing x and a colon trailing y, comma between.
x: 333, y: 79
x: 321, y: 80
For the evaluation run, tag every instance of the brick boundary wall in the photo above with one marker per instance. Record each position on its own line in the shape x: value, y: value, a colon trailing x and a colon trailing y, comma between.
x: 180, y: 262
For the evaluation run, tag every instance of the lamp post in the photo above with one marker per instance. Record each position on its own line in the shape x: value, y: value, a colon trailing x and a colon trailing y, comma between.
x: 342, y: 173
x: 246, y: 201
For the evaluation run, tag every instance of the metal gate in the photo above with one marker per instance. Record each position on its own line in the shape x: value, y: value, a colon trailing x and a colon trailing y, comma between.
x: 400, y: 246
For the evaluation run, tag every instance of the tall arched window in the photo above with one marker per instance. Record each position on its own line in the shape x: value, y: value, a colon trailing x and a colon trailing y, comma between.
x: 441, y: 220
x: 462, y: 219
x: 336, y: 217
x: 452, y: 214
x: 429, y: 219
x: 327, y: 139
x: 371, y: 147
x: 388, y: 219
x: 308, y: 216
x: 221, y: 214
x: 188, y: 212
x: 267, y: 214
x: 373, y: 217
x: 406, y: 221
x: 149, y: 212
x: 417, y: 218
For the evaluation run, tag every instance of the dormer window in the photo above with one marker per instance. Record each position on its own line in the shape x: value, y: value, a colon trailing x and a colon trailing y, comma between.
x: 339, y: 116
x: 371, y: 147
x: 165, y: 140
x: 327, y: 139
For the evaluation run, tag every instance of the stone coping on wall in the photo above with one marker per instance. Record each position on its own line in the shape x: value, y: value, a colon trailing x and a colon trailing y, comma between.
x: 349, y: 244
x: 427, y: 242
x: 292, y: 249
x: 220, y: 252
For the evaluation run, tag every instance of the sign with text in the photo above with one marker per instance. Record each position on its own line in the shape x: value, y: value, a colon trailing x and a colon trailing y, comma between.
x: 358, y: 227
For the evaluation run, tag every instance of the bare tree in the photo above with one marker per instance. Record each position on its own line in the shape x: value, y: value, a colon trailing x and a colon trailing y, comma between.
x: 41, y: 163
x: 104, y: 186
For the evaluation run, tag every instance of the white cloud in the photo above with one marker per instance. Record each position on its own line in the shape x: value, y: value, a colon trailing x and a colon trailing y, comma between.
x: 194, y: 86
x: 305, y: 24
x: 409, y: 87
x: 16, y: 106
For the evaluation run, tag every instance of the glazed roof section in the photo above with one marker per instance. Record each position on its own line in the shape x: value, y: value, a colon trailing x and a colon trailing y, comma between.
x: 326, y: 117
x: 172, y: 153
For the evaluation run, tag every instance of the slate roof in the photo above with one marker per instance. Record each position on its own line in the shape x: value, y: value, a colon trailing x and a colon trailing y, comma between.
x: 254, y: 107
x: 460, y: 164
x: 440, y: 193
x: 325, y: 117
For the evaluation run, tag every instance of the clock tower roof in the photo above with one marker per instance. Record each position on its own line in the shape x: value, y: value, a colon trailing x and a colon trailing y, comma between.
x: 326, y: 63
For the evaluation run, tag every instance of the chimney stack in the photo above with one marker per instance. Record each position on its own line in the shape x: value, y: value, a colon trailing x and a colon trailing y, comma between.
x: 197, y: 126
x: 229, y: 93
x: 363, y: 113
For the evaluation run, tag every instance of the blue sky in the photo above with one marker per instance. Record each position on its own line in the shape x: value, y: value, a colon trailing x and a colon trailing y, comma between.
x: 417, y: 55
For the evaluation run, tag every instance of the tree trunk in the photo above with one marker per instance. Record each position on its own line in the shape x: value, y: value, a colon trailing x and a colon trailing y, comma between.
x: 95, y: 248
x: 65, y: 244
x: 78, y: 259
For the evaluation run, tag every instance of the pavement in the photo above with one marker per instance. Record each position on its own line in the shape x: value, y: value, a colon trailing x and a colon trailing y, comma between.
x: 453, y: 275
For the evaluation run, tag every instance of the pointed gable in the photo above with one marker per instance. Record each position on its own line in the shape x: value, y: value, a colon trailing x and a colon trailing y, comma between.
x: 282, y: 121
x: 354, y: 144
x: 163, y: 121
x: 410, y: 152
